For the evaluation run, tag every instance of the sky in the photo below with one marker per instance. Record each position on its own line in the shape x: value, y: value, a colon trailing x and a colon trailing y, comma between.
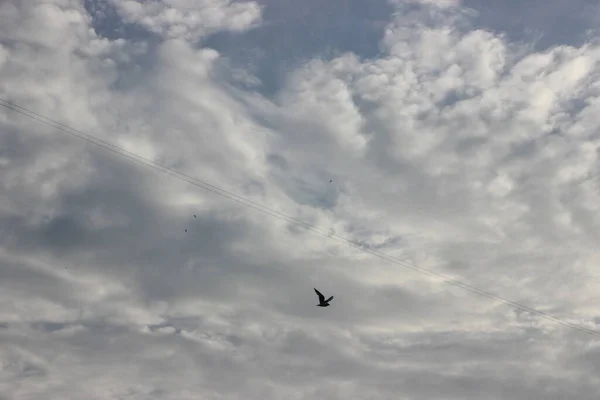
x: 456, y: 136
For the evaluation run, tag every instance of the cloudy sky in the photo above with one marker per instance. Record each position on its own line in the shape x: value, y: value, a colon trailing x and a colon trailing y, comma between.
x: 458, y: 136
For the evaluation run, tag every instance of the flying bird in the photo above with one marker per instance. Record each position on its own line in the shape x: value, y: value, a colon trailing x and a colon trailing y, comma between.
x: 194, y: 215
x: 322, y: 301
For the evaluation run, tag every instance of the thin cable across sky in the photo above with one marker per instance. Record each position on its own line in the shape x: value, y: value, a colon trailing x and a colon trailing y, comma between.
x: 277, y: 214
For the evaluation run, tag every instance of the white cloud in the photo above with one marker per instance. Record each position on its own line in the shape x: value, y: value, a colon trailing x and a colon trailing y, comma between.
x: 455, y: 148
x: 189, y: 19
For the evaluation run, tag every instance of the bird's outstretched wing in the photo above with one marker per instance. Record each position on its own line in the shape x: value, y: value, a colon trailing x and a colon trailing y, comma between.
x: 321, y: 297
x: 329, y: 299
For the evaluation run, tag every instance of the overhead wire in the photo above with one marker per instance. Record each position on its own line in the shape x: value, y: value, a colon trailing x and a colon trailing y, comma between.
x: 277, y: 214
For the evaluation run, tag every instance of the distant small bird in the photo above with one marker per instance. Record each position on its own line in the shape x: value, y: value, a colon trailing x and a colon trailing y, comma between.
x: 331, y: 181
x: 186, y: 230
x: 194, y: 215
x: 322, y: 301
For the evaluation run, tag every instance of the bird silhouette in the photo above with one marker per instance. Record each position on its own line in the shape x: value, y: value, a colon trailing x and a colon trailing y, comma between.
x: 322, y: 301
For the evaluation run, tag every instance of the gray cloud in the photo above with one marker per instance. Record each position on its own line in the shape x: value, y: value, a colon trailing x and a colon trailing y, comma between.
x: 459, y: 149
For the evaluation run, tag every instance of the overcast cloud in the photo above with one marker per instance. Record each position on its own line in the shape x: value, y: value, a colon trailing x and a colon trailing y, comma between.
x: 459, y: 137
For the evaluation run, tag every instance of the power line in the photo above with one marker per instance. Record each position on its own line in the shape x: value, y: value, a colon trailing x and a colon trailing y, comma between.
x: 277, y: 214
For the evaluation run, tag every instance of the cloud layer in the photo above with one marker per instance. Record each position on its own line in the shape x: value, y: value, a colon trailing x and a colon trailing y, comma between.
x: 452, y: 147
